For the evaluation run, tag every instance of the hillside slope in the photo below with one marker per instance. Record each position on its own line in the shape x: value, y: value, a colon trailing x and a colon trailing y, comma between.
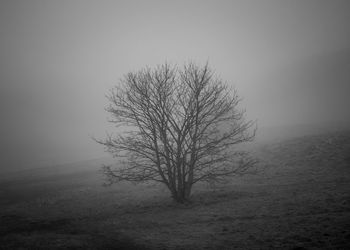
x: 298, y: 199
x: 313, y: 157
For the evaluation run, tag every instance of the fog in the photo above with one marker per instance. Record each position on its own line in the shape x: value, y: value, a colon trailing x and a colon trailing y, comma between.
x: 289, y: 60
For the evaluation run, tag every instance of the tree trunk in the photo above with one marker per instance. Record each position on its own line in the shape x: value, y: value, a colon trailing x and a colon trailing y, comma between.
x: 188, y: 189
x: 183, y: 194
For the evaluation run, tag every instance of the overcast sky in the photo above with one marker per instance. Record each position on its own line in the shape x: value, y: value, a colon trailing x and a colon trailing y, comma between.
x: 289, y: 60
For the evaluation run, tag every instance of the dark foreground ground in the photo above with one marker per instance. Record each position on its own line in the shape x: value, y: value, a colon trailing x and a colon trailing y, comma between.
x: 300, y: 199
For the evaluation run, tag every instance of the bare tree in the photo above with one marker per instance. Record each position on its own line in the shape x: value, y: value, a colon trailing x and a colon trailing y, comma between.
x: 179, y: 127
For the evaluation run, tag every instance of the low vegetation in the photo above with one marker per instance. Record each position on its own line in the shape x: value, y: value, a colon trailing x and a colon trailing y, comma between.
x: 299, y: 199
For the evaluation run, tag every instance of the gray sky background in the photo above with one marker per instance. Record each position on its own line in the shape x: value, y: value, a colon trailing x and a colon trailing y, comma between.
x: 289, y: 60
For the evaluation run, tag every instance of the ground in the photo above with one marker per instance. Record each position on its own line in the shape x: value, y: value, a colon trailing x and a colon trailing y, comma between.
x: 298, y: 199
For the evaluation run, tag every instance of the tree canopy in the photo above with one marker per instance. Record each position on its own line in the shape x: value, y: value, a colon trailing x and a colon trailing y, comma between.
x: 177, y: 126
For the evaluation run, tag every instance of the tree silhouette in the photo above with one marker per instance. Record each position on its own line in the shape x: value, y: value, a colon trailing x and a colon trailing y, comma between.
x: 178, y: 126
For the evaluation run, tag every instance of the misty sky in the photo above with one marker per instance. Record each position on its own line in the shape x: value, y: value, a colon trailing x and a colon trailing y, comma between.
x: 289, y: 60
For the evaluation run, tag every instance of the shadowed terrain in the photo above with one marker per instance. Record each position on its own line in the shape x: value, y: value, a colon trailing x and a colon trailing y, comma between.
x: 298, y: 199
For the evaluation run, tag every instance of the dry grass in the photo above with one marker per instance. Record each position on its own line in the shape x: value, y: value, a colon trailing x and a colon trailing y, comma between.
x: 299, y: 200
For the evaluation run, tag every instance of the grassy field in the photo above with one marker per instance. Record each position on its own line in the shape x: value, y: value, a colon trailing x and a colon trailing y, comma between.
x: 298, y: 199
